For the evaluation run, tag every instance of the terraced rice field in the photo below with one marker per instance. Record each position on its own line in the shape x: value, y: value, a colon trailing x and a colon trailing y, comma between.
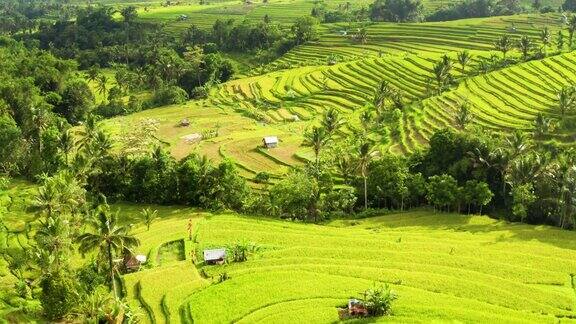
x: 503, y: 100
x: 444, y: 267
x: 440, y: 37
x: 204, y: 16
x: 300, y: 86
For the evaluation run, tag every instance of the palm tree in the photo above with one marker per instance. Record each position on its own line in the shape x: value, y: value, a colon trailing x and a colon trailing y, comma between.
x: 441, y: 72
x: 365, y: 154
x: 503, y: 44
x: 107, y: 239
x: 463, y: 58
x: 560, y: 40
x: 571, y: 30
x: 53, y: 235
x: 40, y: 118
x: 517, y: 144
x: 525, y: 45
x: 93, y: 73
x: 331, y: 121
x: 463, y: 116
x: 366, y: 120
x: 563, y: 171
x: 101, y: 86
x: 149, y: 215
x: 316, y: 138
x: 566, y: 99
x: 362, y: 35
x: 382, y: 92
x: 66, y: 144
x: 545, y: 38
x: 542, y: 125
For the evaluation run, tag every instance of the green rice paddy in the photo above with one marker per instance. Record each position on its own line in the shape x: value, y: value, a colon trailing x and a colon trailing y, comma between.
x: 443, y: 266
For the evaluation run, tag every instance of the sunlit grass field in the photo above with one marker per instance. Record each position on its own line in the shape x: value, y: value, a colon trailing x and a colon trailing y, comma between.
x: 444, y: 267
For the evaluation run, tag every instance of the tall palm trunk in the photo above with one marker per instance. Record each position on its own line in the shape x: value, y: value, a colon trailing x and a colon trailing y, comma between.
x: 365, y: 193
x: 111, y: 265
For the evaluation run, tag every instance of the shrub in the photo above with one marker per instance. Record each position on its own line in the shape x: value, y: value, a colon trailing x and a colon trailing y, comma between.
x: 58, y: 296
x: 223, y: 277
x: 170, y: 95
x: 238, y: 252
x: 378, y: 300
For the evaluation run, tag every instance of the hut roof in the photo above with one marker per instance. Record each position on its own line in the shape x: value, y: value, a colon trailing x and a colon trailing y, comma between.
x: 214, y: 255
x: 270, y: 140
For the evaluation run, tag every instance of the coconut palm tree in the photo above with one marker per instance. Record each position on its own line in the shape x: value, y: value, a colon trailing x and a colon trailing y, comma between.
x: 53, y: 235
x: 365, y: 153
x: 560, y: 40
x: 66, y: 144
x: 504, y: 44
x: 102, y: 82
x: 566, y: 100
x: 332, y: 120
x: 148, y: 215
x: 525, y: 45
x: 463, y: 58
x: 317, y: 139
x: 571, y: 30
x: 563, y: 171
x: 542, y: 125
x: 545, y: 38
x: 382, y: 92
x: 107, y: 238
x: 93, y: 73
x: 517, y: 144
x: 463, y: 116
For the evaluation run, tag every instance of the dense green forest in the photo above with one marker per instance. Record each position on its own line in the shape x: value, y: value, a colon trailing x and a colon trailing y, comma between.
x: 136, y: 129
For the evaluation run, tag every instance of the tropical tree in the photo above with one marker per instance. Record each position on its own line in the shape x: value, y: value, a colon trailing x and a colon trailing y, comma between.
x: 102, y: 82
x: 365, y: 152
x: 93, y: 73
x: 542, y: 126
x: 564, y: 176
x: 504, y: 44
x: 54, y: 235
x: 525, y: 46
x: 381, y: 94
x: 442, y: 191
x: 545, y: 38
x: 442, y: 74
x: 66, y: 144
x: 517, y: 143
x: 463, y: 116
x: 149, y: 215
x: 107, y: 238
x: 522, y: 197
x: 571, y: 30
x: 362, y: 35
x: 463, y: 58
x: 316, y: 138
x: 331, y: 121
x: 566, y: 99
x: 560, y: 40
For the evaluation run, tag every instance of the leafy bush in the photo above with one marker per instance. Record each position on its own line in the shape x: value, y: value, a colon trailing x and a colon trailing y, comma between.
x: 238, y: 252
x: 378, y: 300
x: 58, y: 296
x: 170, y: 95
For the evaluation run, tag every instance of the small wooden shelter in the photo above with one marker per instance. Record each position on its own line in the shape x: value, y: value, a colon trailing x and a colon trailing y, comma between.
x: 270, y: 141
x: 215, y: 256
x: 133, y: 262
